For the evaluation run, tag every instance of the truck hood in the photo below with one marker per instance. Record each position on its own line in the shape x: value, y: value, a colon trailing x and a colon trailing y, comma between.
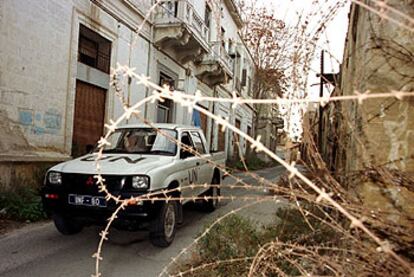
x: 114, y: 164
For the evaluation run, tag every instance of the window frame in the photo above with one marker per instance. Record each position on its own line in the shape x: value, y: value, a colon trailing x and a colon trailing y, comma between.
x: 123, y: 133
x: 195, y: 134
x: 191, y: 155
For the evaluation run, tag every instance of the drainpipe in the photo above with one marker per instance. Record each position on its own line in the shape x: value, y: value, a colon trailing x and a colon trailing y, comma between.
x: 212, y: 128
x: 131, y: 48
x: 150, y: 49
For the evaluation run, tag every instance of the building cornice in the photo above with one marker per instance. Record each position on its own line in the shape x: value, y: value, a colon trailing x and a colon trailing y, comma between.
x: 234, y: 12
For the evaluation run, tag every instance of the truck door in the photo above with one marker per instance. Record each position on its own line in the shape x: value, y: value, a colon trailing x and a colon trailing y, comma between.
x: 206, y: 172
x: 191, y: 167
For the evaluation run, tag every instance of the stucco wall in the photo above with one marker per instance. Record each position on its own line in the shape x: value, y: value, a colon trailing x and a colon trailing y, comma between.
x: 39, y: 68
x: 376, y: 135
x: 377, y: 60
x: 33, y: 37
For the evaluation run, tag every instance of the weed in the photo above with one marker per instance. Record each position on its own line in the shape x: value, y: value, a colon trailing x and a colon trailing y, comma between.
x: 237, y: 237
x: 24, y: 203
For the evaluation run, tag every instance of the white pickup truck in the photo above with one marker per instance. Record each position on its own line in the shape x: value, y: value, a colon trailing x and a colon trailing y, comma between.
x: 140, y: 160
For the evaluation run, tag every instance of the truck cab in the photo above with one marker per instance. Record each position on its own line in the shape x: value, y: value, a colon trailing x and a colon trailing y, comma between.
x: 140, y: 159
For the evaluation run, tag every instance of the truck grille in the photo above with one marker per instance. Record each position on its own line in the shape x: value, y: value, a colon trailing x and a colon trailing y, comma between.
x: 86, y: 184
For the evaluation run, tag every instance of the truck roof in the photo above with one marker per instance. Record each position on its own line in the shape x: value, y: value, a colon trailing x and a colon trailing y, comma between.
x: 158, y: 126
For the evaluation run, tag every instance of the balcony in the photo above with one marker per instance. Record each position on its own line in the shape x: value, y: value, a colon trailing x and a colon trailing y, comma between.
x: 178, y: 28
x: 217, y: 66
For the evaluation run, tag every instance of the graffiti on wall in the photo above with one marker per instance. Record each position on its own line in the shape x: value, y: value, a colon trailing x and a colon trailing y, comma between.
x: 41, y: 123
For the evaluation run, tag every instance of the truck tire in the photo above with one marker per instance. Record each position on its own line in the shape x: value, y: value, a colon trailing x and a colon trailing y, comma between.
x: 66, y: 226
x: 163, y: 228
x: 214, y: 191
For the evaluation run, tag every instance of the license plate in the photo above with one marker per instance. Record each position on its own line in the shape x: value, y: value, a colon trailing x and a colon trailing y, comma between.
x: 87, y: 200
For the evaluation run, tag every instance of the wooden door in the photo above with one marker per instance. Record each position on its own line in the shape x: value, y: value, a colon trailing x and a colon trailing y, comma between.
x: 249, y: 132
x: 89, y: 117
x: 203, y: 119
x: 236, y: 141
x: 221, y: 139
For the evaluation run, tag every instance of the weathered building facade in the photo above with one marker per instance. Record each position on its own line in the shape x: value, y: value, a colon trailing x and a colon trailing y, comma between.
x: 55, y: 61
x: 269, y: 127
x: 374, y: 134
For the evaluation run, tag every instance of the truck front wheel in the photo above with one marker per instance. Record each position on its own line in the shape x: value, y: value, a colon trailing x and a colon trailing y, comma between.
x: 163, y: 228
x: 66, y: 226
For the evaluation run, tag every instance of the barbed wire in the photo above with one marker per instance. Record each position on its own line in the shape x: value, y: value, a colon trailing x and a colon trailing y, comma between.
x: 190, y: 102
x: 323, y: 196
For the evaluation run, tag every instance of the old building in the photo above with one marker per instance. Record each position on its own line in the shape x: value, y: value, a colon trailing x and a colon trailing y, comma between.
x: 379, y: 132
x: 55, y: 62
x: 269, y: 127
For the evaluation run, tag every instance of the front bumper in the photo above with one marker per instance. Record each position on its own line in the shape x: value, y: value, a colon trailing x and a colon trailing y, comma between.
x: 129, y: 218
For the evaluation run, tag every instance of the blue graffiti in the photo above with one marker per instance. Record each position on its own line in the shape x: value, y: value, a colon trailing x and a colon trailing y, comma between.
x: 52, y: 121
x: 48, y: 123
x: 38, y: 117
x: 38, y: 130
x: 26, y: 117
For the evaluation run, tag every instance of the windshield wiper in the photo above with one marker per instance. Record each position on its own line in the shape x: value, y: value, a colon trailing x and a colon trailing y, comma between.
x: 115, y: 150
x: 161, y: 152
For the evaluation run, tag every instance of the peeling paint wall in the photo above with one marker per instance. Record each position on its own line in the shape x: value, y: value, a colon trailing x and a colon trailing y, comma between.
x: 399, y: 134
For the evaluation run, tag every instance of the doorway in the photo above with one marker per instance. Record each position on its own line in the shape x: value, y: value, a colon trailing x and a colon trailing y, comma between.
x: 89, y: 117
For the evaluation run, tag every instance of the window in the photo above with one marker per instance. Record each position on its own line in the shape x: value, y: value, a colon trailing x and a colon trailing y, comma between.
x: 186, y: 141
x: 222, y: 38
x: 231, y: 48
x: 142, y: 141
x: 198, y: 142
x: 88, y: 51
x: 171, y: 7
x: 165, y: 109
x: 93, y: 49
x: 244, y: 78
x: 207, y: 16
x: 223, y: 34
x: 249, y: 86
x: 163, y: 112
x: 237, y: 66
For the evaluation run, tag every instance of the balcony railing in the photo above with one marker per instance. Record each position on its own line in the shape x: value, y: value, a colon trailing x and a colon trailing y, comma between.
x: 219, y: 53
x: 181, y: 11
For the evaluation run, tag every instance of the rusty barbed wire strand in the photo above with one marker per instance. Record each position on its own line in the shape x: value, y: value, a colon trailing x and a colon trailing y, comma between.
x: 190, y: 101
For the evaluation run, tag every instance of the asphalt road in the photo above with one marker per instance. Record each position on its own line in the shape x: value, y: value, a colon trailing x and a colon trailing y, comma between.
x: 39, y: 250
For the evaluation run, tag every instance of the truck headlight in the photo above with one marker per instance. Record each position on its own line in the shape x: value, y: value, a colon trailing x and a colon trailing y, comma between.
x: 55, y: 178
x: 140, y: 182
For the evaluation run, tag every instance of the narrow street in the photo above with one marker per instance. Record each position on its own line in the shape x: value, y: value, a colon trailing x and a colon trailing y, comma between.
x: 39, y: 250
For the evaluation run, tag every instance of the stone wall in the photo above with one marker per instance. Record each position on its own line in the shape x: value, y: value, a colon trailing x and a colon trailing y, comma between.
x: 377, y: 133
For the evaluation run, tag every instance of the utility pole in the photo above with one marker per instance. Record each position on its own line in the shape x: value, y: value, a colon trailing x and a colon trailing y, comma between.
x: 320, y: 105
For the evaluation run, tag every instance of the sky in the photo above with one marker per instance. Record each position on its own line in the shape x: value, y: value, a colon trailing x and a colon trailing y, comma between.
x: 332, y: 40
x: 335, y: 33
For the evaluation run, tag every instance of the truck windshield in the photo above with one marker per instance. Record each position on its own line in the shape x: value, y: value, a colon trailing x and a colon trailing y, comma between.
x: 142, y: 141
